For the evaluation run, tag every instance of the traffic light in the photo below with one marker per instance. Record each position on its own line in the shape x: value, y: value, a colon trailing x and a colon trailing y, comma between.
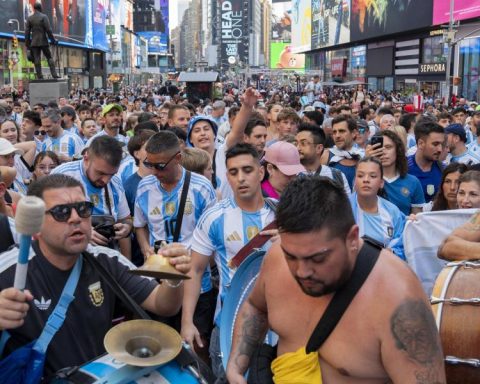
x: 457, y: 81
x: 15, y: 42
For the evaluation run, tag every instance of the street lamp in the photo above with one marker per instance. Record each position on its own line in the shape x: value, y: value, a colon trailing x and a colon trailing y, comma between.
x: 13, y: 21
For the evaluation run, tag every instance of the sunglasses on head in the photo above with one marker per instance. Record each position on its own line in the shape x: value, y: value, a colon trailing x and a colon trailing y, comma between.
x: 43, y: 133
x: 159, y: 166
x: 62, y: 212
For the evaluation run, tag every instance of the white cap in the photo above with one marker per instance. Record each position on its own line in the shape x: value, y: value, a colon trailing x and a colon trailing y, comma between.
x: 6, y: 148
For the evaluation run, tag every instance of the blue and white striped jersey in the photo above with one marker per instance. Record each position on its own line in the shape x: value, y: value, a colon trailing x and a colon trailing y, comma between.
x: 222, y: 231
x: 127, y: 168
x: 121, y: 138
x: 67, y: 144
x: 96, y: 195
x: 468, y: 157
x: 385, y: 226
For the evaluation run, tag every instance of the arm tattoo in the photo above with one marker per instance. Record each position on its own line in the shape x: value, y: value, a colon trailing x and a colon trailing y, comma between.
x: 414, y: 331
x: 474, y: 223
x: 253, y: 332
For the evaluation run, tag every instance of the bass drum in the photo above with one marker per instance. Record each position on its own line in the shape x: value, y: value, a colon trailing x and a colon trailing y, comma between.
x: 240, y: 287
x: 108, y: 370
x: 455, y: 303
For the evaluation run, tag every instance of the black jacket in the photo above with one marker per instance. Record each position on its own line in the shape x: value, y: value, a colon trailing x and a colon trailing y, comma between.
x: 39, y: 28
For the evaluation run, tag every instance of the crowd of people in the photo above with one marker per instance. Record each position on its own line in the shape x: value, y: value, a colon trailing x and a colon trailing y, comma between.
x: 115, y: 170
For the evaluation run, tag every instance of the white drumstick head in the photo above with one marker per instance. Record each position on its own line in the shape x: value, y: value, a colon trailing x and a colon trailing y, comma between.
x: 29, y: 215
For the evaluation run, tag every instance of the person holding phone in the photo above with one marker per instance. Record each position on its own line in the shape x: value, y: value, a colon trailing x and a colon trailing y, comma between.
x: 400, y: 188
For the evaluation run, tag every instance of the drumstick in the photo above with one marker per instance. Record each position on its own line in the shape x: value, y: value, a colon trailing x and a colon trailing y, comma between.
x: 28, y: 221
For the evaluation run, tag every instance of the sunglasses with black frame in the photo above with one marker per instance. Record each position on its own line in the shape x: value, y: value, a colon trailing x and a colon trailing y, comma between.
x: 159, y: 166
x: 39, y: 132
x: 62, y: 212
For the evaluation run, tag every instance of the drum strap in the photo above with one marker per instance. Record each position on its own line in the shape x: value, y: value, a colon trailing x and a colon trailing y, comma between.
x: 181, y: 207
x: 366, y: 260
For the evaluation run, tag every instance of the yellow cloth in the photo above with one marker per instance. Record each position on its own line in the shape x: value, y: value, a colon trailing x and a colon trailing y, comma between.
x: 297, y: 368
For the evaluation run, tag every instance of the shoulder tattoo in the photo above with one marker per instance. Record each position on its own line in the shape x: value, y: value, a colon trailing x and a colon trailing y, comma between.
x: 474, y: 223
x: 414, y: 331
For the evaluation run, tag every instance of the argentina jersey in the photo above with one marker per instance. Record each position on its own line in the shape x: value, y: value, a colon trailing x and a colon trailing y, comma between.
x: 223, y: 186
x: 404, y: 192
x: 127, y: 168
x: 121, y: 138
x: 385, y: 226
x: 222, y: 231
x: 66, y: 144
x: 116, y: 193
x: 468, y: 158
x: 157, y: 208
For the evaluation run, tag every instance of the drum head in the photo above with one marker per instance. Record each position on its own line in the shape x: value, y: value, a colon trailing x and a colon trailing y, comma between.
x: 241, y: 285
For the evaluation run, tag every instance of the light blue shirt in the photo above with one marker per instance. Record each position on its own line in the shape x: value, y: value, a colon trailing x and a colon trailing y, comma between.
x: 121, y: 138
x: 385, y: 226
x: 66, y: 144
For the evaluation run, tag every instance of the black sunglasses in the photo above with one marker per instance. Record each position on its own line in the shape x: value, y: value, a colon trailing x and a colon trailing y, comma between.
x: 159, y: 166
x: 43, y: 133
x: 62, y: 212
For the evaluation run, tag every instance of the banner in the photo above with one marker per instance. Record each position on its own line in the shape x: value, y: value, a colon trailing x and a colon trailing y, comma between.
x: 376, y: 18
x: 282, y: 57
x: 99, y: 22
x: 462, y: 9
x: 422, y: 237
x: 232, y: 32
x: 330, y: 23
x: 150, y: 20
x: 282, y: 21
x: 301, y: 25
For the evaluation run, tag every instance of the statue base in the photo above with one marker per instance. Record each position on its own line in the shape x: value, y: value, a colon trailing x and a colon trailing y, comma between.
x: 43, y: 91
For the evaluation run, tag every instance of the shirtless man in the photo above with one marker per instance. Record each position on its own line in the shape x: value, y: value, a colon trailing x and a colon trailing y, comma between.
x: 385, y: 335
x: 464, y: 242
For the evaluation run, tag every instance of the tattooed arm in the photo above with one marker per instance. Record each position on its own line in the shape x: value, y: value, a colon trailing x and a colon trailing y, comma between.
x: 464, y: 242
x: 411, y: 352
x: 249, y: 332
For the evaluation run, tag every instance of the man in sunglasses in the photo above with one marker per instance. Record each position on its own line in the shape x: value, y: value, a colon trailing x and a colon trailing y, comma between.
x: 65, y: 235
x: 97, y: 173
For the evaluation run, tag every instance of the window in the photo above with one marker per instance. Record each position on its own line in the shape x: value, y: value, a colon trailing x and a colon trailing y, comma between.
x: 433, y: 50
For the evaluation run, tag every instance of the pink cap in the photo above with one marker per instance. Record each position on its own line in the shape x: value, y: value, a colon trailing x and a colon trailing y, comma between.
x: 285, y: 157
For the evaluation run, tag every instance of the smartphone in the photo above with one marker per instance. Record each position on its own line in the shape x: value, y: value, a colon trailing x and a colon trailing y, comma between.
x: 376, y: 139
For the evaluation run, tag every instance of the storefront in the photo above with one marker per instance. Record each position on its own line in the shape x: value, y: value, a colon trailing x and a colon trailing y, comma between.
x: 380, y: 68
x: 468, y: 68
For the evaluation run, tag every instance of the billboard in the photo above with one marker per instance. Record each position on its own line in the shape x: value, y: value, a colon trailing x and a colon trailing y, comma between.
x: 330, y: 22
x: 232, y: 32
x: 380, y: 17
x: 282, y: 57
x: 462, y: 9
x: 99, y: 21
x: 150, y: 20
x: 301, y: 25
x: 282, y: 20
x: 67, y: 18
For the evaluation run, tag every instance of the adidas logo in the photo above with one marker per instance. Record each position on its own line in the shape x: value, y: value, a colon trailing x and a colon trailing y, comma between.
x: 155, y: 211
x: 234, y: 237
x: 42, y: 305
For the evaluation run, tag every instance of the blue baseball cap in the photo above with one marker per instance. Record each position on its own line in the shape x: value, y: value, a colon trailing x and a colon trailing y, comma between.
x: 457, y: 129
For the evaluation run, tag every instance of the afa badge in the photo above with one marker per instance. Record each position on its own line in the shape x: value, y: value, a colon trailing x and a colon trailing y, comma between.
x: 170, y: 208
x: 252, y: 232
x: 188, y: 206
x: 94, y: 199
x: 405, y: 192
x: 430, y: 189
x: 96, y: 294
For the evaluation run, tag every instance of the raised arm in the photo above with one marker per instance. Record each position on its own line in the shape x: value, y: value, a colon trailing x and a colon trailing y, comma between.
x: 249, y: 99
x: 464, y: 242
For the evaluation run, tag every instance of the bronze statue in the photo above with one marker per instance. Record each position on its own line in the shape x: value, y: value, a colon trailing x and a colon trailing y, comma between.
x: 37, y: 33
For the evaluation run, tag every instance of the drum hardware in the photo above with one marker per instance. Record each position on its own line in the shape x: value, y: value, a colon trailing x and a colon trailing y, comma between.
x: 465, y: 264
x: 143, y: 343
x: 455, y: 301
x: 455, y: 360
x: 159, y: 267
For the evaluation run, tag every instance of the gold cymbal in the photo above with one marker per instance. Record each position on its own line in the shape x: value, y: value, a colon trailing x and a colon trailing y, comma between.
x: 159, y: 267
x: 143, y: 343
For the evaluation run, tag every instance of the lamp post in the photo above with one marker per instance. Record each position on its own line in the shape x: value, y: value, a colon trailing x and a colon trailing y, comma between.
x: 448, y: 38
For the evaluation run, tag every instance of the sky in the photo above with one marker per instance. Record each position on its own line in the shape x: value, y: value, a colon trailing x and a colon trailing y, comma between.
x: 173, y: 13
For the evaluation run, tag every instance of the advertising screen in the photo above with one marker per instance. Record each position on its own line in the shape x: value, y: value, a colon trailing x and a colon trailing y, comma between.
x: 99, y: 22
x: 330, y: 22
x: 232, y: 32
x: 282, y: 20
x: 381, y: 17
x: 150, y: 20
x: 282, y: 57
x: 462, y: 9
x: 301, y: 25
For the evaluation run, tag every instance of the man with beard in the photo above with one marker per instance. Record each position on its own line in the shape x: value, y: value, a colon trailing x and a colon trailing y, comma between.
x: 383, y: 335
x: 425, y: 164
x: 112, y: 122
x: 97, y: 173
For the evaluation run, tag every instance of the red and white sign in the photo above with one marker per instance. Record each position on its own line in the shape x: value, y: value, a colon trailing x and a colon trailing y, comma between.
x: 339, y: 67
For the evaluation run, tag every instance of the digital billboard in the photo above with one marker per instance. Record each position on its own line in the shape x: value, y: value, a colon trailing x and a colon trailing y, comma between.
x: 232, y: 32
x: 330, y: 22
x: 301, y: 25
x: 150, y: 20
x: 282, y: 57
x: 99, y: 22
x: 282, y: 20
x: 462, y: 9
x: 381, y: 17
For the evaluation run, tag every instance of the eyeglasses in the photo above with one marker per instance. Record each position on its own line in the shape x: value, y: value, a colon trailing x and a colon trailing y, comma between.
x: 63, y: 212
x: 37, y: 133
x: 159, y: 166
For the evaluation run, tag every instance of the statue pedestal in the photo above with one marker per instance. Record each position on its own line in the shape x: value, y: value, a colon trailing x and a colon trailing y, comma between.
x: 43, y: 91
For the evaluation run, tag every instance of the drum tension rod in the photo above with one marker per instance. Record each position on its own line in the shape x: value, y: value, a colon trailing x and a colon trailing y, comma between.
x: 455, y: 300
x: 456, y: 360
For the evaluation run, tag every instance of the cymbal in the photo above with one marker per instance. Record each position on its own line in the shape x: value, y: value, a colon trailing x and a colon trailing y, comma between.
x: 143, y: 343
x: 158, y: 267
